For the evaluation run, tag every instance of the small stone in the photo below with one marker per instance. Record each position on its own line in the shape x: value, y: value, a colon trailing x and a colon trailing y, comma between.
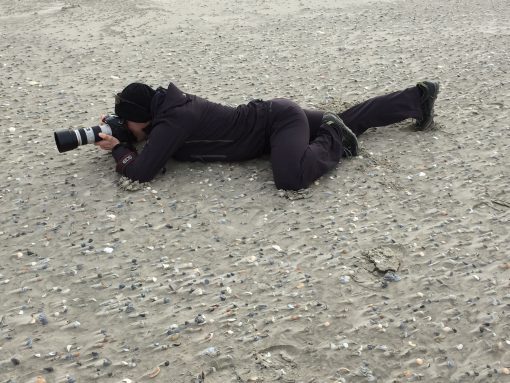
x: 106, y: 362
x: 459, y: 346
x: 505, y: 371
x: 42, y: 319
x: 390, y: 276
x: 344, y: 279
x: 199, y: 319
x: 15, y: 361
x: 419, y: 361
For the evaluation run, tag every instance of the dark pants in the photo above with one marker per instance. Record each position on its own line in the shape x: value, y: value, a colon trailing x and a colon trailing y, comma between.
x: 302, y: 149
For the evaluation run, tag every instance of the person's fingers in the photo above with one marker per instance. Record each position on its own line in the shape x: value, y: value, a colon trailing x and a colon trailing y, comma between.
x: 107, y: 142
x: 106, y: 137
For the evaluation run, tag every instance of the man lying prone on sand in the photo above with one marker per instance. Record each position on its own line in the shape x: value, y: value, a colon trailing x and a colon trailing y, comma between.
x: 302, y: 144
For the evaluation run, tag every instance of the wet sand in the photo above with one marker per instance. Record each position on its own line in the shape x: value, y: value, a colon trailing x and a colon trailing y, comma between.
x: 394, y: 267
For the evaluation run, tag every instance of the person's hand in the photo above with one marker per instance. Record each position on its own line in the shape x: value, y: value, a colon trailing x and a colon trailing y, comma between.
x: 108, y: 142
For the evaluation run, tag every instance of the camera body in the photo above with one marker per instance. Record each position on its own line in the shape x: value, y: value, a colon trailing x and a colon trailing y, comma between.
x: 112, y: 125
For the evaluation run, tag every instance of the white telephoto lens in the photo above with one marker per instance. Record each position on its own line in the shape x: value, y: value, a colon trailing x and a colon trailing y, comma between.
x: 90, y: 135
x: 105, y: 128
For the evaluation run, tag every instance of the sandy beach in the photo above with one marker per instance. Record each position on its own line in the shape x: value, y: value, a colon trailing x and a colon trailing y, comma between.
x: 394, y: 267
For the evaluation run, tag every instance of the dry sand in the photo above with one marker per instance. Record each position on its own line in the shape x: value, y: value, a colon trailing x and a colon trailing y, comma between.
x: 392, y: 268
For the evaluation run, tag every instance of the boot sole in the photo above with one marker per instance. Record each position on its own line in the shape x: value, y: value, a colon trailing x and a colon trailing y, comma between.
x: 351, y: 142
x: 429, y: 122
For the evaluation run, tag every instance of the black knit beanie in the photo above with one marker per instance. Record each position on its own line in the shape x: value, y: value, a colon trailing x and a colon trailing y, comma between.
x: 134, y: 102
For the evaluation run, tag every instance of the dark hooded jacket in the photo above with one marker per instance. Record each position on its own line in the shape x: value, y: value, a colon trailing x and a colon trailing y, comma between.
x: 189, y: 128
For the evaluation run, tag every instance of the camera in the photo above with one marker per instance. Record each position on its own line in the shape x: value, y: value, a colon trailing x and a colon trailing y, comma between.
x: 113, y: 125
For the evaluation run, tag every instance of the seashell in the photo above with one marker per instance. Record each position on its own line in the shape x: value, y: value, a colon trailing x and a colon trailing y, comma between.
x: 154, y: 372
x: 71, y: 325
x: 210, y: 351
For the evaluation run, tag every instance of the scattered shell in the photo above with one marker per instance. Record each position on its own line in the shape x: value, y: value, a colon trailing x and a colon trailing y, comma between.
x: 209, y: 336
x: 251, y: 259
x: 210, y: 351
x: 407, y: 374
x: 71, y: 325
x: 154, y: 372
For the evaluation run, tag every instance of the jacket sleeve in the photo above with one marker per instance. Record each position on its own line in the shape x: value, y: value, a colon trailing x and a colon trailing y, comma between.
x: 163, y: 142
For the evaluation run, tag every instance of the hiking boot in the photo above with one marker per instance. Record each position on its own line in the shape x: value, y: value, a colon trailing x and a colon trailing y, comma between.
x: 349, y: 140
x: 429, y: 91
